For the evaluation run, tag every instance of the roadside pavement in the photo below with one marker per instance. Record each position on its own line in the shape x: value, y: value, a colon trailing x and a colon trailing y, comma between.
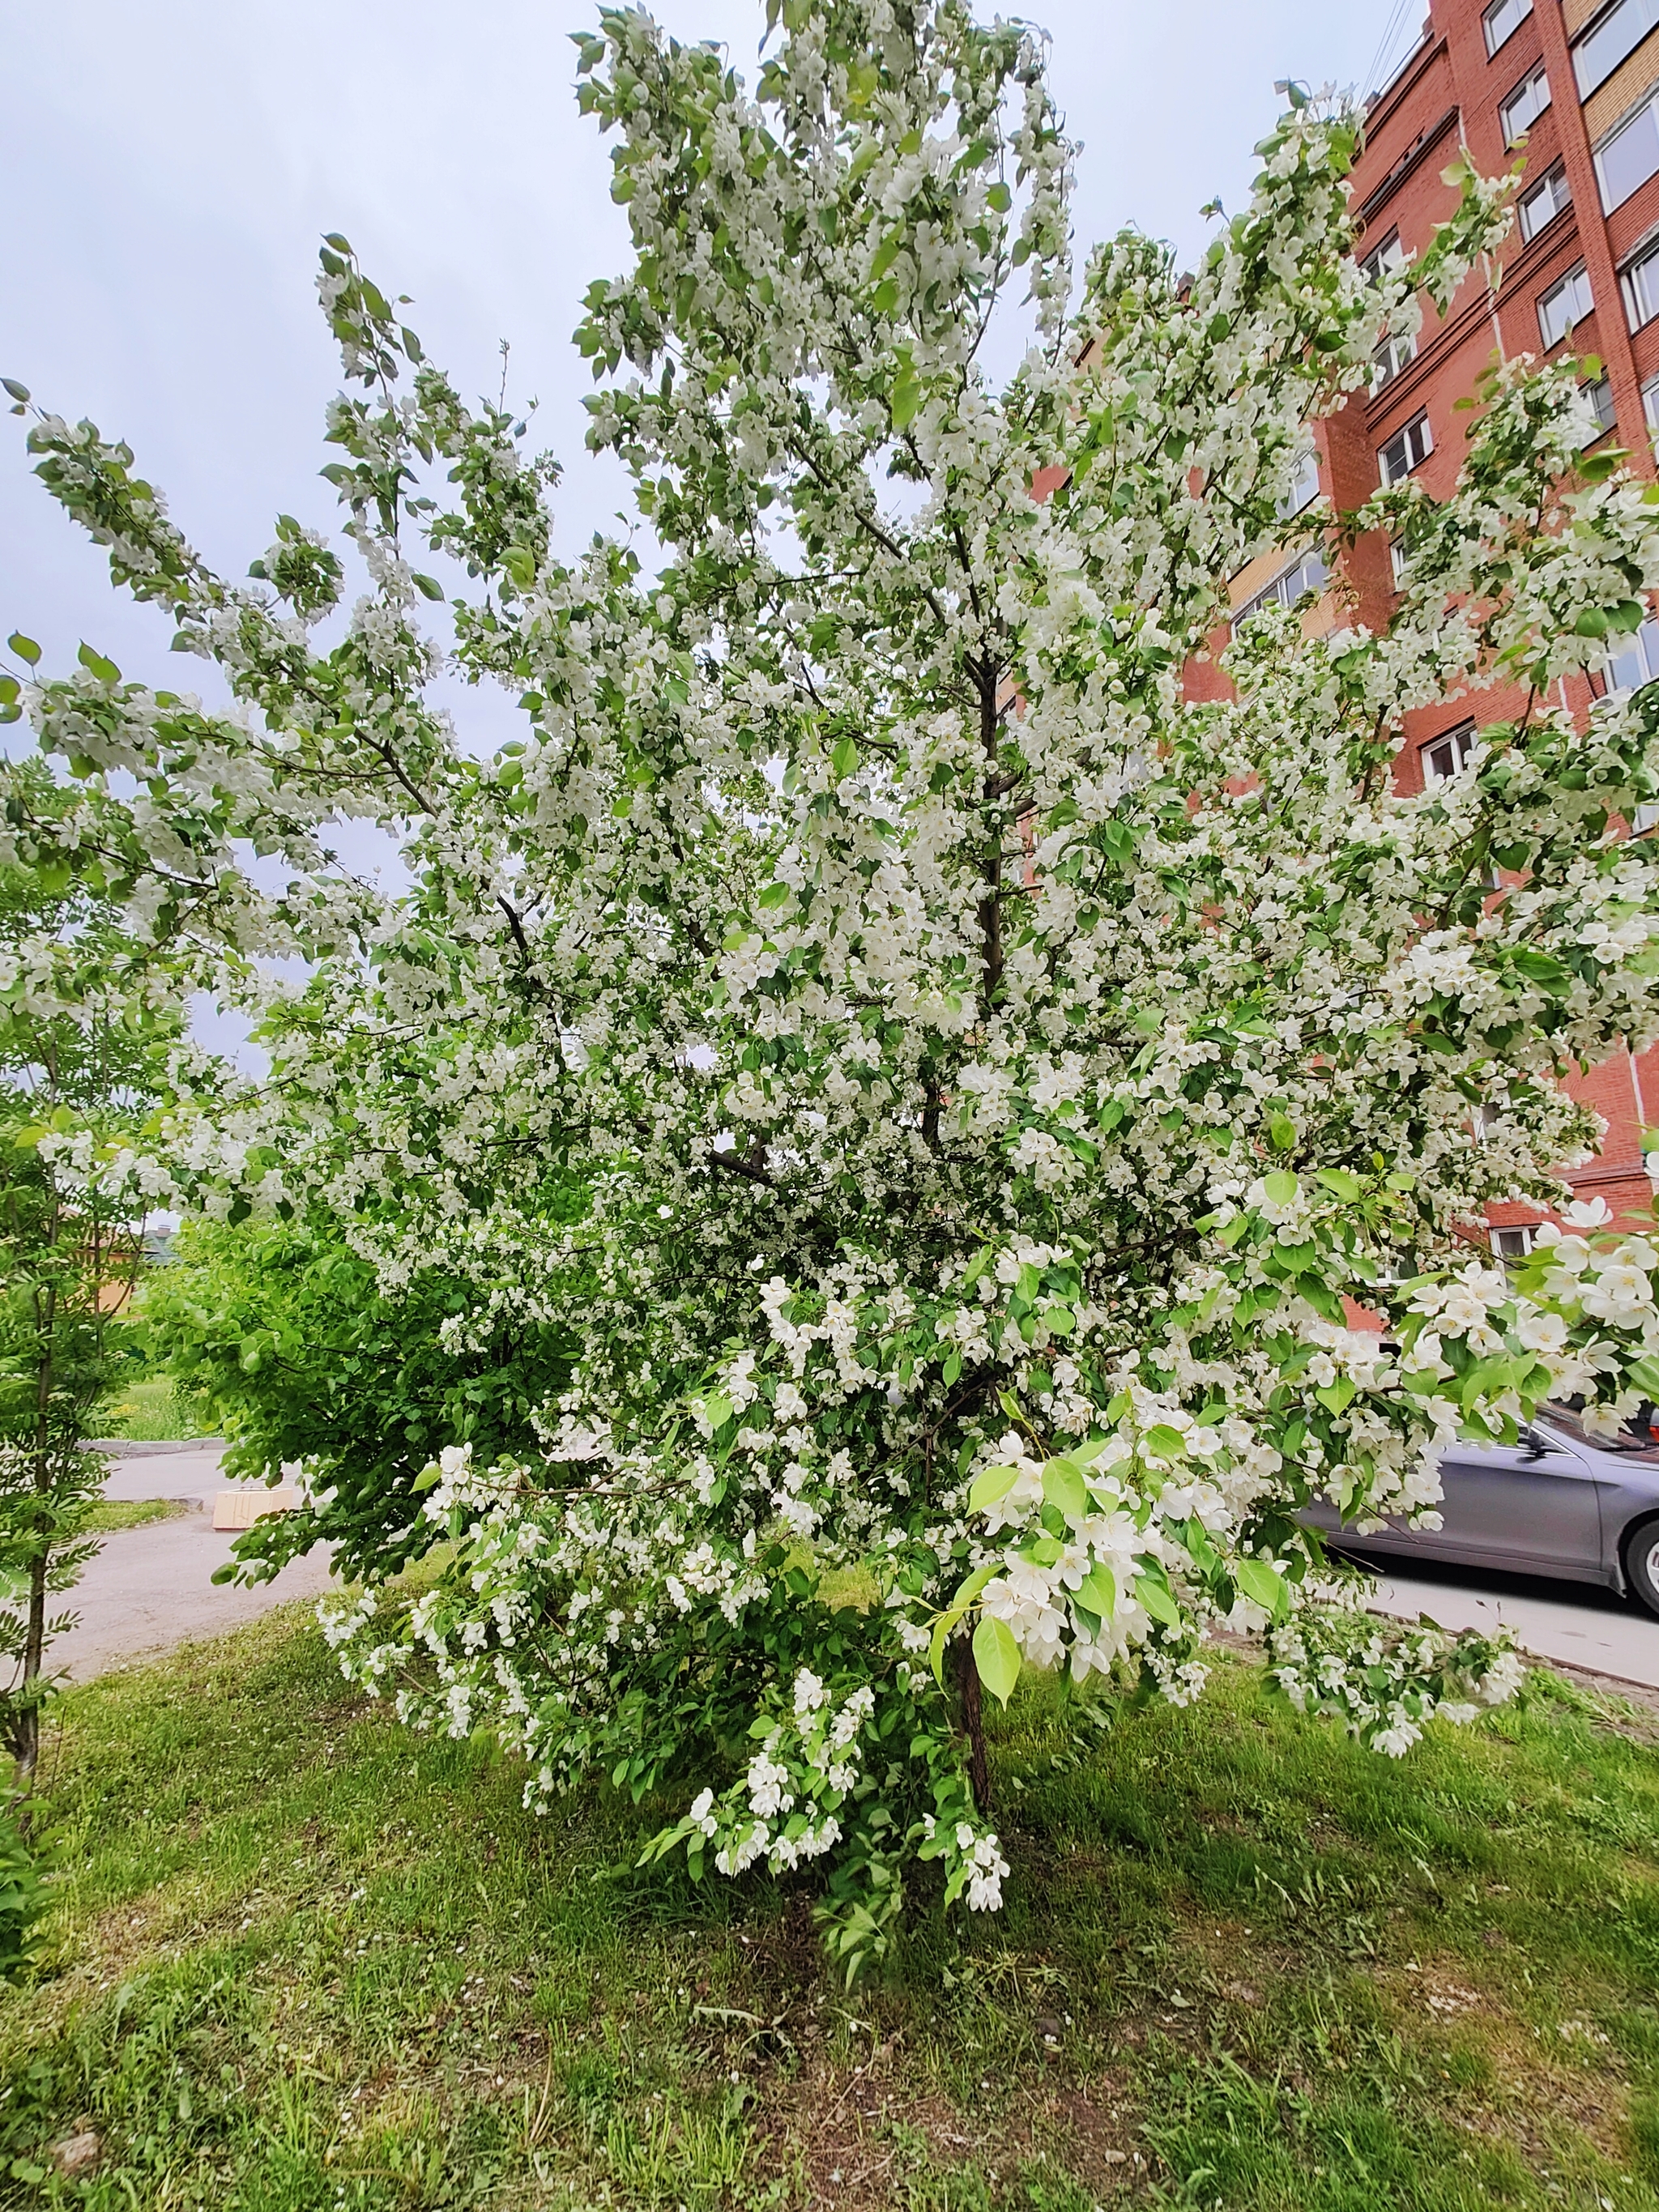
x: 1569, y: 1624
x: 151, y: 1588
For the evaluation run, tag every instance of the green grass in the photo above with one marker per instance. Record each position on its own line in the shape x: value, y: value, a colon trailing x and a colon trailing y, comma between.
x: 152, y: 1412
x: 305, y: 1961
x: 113, y: 1513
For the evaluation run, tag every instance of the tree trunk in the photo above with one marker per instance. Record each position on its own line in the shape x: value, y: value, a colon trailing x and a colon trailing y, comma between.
x: 972, y: 1719
x: 34, y: 1646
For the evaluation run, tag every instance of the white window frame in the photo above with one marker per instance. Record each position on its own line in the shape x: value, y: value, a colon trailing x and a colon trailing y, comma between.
x: 1639, y: 17
x: 1650, y: 403
x: 1552, y: 189
x: 1646, y: 110
x: 1304, y: 489
x: 1288, y: 586
x: 1525, y: 1234
x: 1573, y: 292
x: 1599, y: 393
x: 1502, y: 20
x: 1636, y: 278
x: 1526, y: 94
x: 1391, y: 356
x: 1382, y: 260
x: 1416, y: 449
x: 1457, y: 744
x: 1635, y: 663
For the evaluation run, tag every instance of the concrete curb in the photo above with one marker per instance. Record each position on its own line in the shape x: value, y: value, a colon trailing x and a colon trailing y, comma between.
x: 127, y: 1447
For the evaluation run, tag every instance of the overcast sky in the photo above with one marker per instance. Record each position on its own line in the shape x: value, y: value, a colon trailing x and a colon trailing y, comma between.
x: 169, y: 166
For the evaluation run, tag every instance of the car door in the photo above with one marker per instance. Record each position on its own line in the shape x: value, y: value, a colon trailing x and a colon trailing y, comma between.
x: 1532, y: 1504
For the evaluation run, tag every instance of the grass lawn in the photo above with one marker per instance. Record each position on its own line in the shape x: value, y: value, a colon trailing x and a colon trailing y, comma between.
x: 307, y: 1960
x: 152, y: 1411
x: 113, y: 1513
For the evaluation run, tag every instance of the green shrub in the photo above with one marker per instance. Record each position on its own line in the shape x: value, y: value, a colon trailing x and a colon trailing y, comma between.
x: 24, y: 1895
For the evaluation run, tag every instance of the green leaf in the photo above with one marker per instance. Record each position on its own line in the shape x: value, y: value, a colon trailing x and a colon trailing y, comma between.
x: 427, y: 1479
x: 105, y: 670
x: 1282, y: 1132
x: 845, y: 758
x: 24, y: 647
x: 971, y: 1586
x: 1098, y: 1590
x: 772, y: 894
x: 945, y: 1626
x: 991, y: 1484
x: 1000, y: 198
x: 1158, y: 1600
x: 18, y: 392
x: 1063, y: 1488
x: 1010, y: 1406
x: 1167, y: 1443
x: 1282, y: 1189
x: 1263, y: 1585
x: 952, y: 1368
x: 996, y: 1655
x: 1334, y: 1396
x: 717, y: 1408
x: 1345, y: 1185
x: 906, y: 402
x: 428, y: 587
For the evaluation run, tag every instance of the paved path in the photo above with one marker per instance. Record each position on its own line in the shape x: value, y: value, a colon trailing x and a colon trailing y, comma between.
x: 1571, y: 1622
x: 151, y: 1587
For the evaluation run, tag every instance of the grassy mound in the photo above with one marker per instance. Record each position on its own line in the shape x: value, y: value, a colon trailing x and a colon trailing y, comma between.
x: 153, y: 1411
x: 306, y: 1961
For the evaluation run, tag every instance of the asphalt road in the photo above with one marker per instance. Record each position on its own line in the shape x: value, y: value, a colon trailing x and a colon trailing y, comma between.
x: 1573, y: 1623
x: 151, y: 1587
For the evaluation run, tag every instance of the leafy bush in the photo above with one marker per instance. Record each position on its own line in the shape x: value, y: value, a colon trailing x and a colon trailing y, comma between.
x: 284, y: 1336
x: 24, y: 1894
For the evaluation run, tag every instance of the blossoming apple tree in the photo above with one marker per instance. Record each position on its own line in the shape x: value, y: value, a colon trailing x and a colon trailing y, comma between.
x: 988, y: 1074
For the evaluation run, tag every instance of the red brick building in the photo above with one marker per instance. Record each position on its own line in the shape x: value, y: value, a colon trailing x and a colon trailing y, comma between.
x: 1573, y: 86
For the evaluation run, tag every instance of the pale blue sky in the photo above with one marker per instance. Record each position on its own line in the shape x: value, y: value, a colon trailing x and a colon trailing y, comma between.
x: 168, y: 168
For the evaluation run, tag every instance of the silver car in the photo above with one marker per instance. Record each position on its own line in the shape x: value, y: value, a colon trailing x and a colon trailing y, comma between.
x: 1556, y: 1503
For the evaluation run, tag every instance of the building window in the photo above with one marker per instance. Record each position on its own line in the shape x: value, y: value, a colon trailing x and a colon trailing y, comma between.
x: 1406, y: 450
x: 1600, y: 396
x: 1397, y: 559
x: 1304, y: 487
x: 1450, y: 755
x: 1512, y: 1243
x: 1383, y: 259
x: 1629, y: 155
x: 1564, y: 305
x: 1547, y: 200
x: 1651, y: 405
x: 1502, y: 19
x: 1645, y: 817
x: 1640, y: 285
x: 1636, y: 662
x: 1307, y: 572
x: 1485, y: 1119
x: 1524, y: 106
x: 1390, y: 357
x: 1616, y: 32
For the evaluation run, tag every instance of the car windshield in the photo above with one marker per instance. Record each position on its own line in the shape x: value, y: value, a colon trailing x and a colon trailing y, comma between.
x: 1639, y: 1436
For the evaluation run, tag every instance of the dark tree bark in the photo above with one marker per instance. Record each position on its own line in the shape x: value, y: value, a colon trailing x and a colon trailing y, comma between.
x: 973, y: 1720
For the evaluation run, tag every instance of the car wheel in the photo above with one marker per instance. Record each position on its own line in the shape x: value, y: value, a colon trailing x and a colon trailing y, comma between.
x: 1642, y: 1564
